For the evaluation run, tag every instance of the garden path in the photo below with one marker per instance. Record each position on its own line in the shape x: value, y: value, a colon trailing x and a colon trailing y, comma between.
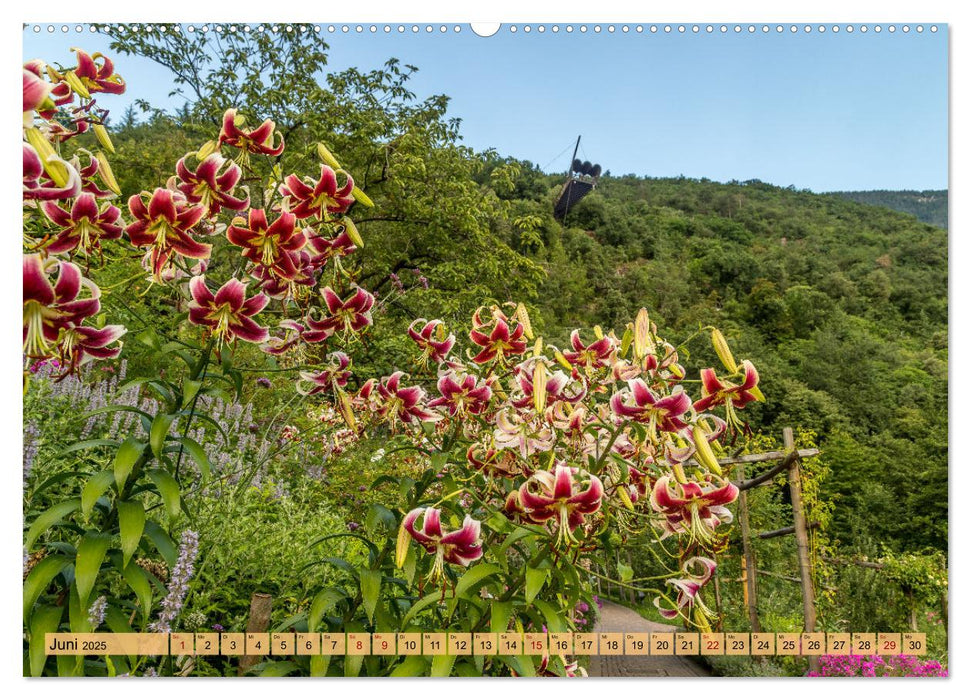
x: 617, y: 618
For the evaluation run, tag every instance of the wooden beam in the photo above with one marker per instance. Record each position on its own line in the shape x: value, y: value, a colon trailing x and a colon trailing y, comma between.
x: 783, y: 530
x: 787, y: 459
x: 748, y: 558
x: 802, y: 542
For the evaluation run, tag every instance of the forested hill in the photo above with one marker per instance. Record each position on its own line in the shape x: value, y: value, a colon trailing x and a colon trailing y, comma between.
x: 930, y: 206
x: 842, y: 306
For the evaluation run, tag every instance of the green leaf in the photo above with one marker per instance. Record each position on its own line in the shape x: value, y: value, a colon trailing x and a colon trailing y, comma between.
x: 137, y: 580
x: 87, y: 444
x: 501, y: 611
x: 131, y: 518
x: 379, y: 518
x: 522, y: 665
x: 129, y: 452
x: 39, y: 579
x: 278, y: 669
x: 411, y: 667
x: 160, y: 430
x: 190, y: 387
x: 442, y: 666
x: 323, y: 601
x: 48, y: 518
x: 432, y: 597
x: 45, y: 621
x: 163, y: 543
x: 370, y: 589
x: 94, y: 489
x: 469, y: 580
x: 535, y: 580
x: 87, y: 565
x: 555, y: 622
x: 168, y: 489
x: 198, y: 455
x: 626, y: 573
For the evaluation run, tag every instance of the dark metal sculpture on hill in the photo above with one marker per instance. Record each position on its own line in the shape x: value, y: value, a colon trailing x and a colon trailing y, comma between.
x: 581, y: 179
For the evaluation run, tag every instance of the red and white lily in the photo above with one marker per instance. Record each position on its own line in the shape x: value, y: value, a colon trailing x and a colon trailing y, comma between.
x: 688, y: 588
x: 37, y: 186
x: 525, y: 434
x: 350, y: 315
x: 82, y: 344
x: 305, y: 198
x: 50, y: 308
x: 228, y: 313
x: 84, y: 226
x: 599, y: 353
x: 164, y: 225
x: 461, y: 547
x: 495, y: 336
x: 266, y: 244
x: 693, y: 508
x: 259, y: 140
x: 211, y: 184
x: 394, y: 402
x: 97, y: 77
x: 462, y: 394
x: 641, y: 404
x: 334, y: 375
x: 431, y: 339
x: 568, y: 494
x: 715, y: 391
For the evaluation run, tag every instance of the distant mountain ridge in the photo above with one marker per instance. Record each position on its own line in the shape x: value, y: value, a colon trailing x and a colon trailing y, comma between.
x: 929, y: 206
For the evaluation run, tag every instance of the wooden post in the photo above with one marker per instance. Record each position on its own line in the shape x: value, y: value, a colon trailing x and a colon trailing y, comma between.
x: 259, y: 621
x: 748, y: 557
x: 802, y: 543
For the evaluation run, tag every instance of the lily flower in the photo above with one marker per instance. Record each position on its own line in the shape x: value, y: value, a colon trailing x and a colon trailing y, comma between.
x: 462, y: 395
x: 495, y: 336
x: 558, y: 385
x: 259, y: 140
x: 337, y: 247
x: 305, y: 198
x: 693, y: 508
x: 228, y: 313
x: 271, y: 245
x: 164, y: 225
x: 431, y: 339
x: 642, y: 405
x: 37, y: 186
x: 292, y: 334
x: 522, y: 434
x: 36, y: 91
x: 715, y: 392
x: 461, y: 547
x: 395, y: 402
x: 688, y: 588
x: 207, y: 186
x: 568, y: 495
x: 350, y: 315
x: 84, y: 226
x: 335, y: 374
x: 98, y: 78
x: 597, y: 354
x: 81, y: 344
x: 49, y: 308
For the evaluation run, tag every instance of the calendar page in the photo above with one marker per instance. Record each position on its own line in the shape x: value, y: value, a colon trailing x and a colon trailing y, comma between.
x: 543, y: 349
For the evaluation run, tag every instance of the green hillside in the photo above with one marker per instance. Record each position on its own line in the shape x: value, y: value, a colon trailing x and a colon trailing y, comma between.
x: 929, y: 206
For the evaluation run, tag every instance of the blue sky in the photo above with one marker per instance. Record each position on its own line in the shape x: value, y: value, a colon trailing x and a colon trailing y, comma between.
x: 818, y: 111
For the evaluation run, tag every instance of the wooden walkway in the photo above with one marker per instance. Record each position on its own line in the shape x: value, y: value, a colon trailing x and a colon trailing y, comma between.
x: 617, y: 618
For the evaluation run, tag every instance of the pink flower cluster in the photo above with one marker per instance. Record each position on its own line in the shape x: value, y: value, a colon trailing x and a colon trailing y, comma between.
x: 878, y: 666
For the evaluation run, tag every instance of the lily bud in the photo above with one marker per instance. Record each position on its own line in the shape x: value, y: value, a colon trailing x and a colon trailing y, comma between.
x: 104, y: 169
x: 208, y: 148
x: 77, y: 84
x: 563, y: 361
x: 53, y: 165
x: 327, y: 156
x: 352, y: 232
x: 723, y: 351
x: 539, y: 387
x: 703, y: 452
x: 625, y: 497
x: 101, y: 133
x: 523, y: 316
x: 345, y: 409
x: 358, y: 194
x: 401, y: 546
x: 642, y: 330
